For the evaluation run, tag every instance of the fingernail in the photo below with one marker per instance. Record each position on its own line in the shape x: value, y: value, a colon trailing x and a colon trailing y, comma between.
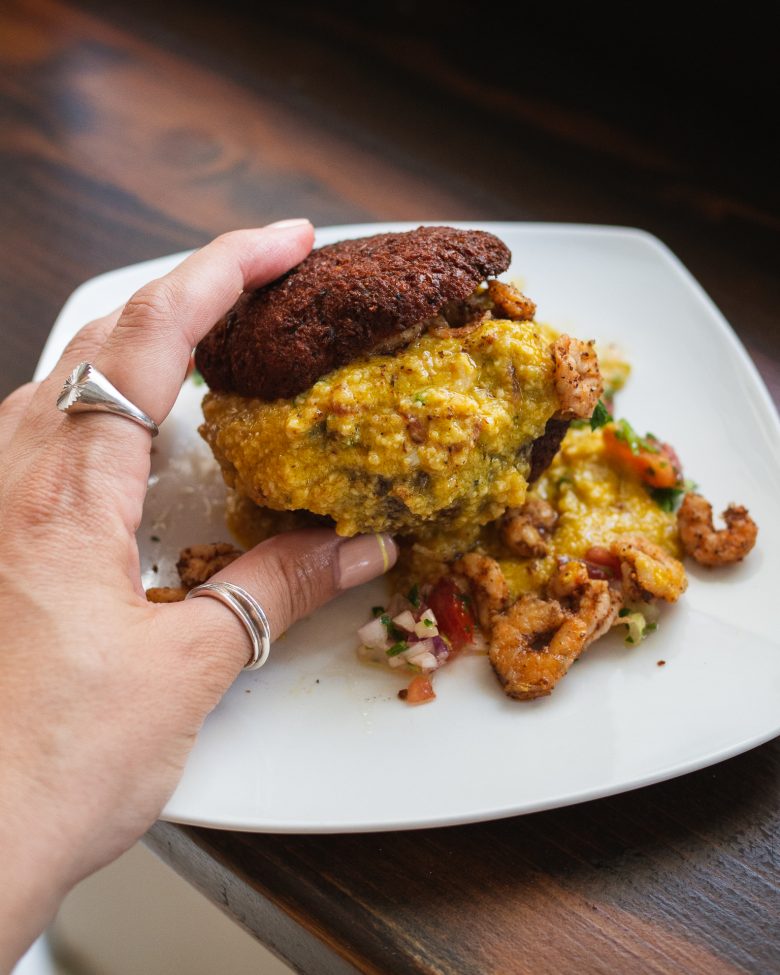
x: 286, y: 224
x: 365, y: 557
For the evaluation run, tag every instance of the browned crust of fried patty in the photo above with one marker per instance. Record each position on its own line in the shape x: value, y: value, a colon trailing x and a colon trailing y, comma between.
x: 340, y: 303
x: 544, y: 448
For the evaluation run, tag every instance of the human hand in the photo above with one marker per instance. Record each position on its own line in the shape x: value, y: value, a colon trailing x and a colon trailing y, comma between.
x: 102, y: 693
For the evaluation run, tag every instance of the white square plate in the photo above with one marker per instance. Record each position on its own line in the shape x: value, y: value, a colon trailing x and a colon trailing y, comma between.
x: 317, y: 742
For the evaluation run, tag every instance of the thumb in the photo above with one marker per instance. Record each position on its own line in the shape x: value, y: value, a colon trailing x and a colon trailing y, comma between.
x: 290, y: 575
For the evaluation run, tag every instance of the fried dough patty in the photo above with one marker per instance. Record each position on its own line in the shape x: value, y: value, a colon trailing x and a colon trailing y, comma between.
x: 341, y: 302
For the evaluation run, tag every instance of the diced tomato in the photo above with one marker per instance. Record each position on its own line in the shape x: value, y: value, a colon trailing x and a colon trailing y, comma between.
x: 420, y: 690
x: 453, y: 615
x: 601, y: 563
x: 671, y: 454
x: 657, y: 467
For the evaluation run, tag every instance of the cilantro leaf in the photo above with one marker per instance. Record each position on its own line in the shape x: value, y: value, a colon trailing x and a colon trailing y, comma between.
x: 669, y: 499
x: 397, y: 648
x: 601, y: 416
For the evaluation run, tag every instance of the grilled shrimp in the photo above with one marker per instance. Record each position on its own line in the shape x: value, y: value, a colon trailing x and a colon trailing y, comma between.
x: 525, y: 530
x: 488, y: 585
x: 704, y: 542
x: 535, y: 642
x: 578, y: 381
x: 647, y: 571
x: 509, y: 302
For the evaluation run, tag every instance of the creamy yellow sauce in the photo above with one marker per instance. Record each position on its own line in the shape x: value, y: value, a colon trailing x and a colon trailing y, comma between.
x: 439, y: 432
x: 596, y: 500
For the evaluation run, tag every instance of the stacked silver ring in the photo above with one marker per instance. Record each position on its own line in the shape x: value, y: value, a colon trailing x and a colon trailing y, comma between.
x: 248, y: 610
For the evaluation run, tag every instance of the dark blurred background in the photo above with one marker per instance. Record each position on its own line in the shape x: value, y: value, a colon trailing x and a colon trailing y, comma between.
x: 133, y: 130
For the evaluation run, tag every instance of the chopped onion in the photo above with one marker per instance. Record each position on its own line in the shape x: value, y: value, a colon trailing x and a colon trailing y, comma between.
x: 422, y: 646
x: 406, y: 621
x: 374, y: 635
x: 440, y: 648
x: 425, y: 628
x: 428, y: 625
x: 637, y: 624
x: 425, y: 661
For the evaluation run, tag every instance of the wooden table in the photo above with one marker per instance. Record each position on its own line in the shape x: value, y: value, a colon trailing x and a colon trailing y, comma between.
x: 128, y: 135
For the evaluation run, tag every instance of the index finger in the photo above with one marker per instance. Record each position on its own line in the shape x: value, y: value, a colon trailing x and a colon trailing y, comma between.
x: 147, y: 354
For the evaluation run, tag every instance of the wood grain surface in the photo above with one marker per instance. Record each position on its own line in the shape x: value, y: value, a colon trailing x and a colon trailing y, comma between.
x: 129, y: 132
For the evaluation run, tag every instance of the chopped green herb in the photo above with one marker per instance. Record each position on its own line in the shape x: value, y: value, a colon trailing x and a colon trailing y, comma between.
x: 197, y: 378
x: 392, y: 630
x: 624, y: 612
x: 397, y: 648
x: 414, y: 596
x: 377, y: 611
x: 601, y: 416
x: 419, y: 398
x: 630, y: 639
x: 668, y: 499
x: 428, y: 623
x: 651, y: 627
x: 649, y: 444
x: 625, y: 432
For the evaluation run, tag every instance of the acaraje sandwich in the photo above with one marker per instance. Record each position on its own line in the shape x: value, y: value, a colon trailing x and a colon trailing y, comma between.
x: 392, y: 383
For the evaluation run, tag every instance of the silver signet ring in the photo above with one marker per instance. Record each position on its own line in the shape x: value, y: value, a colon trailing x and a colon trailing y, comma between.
x: 86, y: 390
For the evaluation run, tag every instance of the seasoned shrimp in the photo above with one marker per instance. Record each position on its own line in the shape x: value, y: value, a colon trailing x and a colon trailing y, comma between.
x: 509, y: 302
x: 525, y: 530
x: 535, y: 642
x: 198, y: 563
x: 578, y: 593
x: 647, y: 571
x: 490, y: 589
x: 704, y: 542
x: 578, y: 381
